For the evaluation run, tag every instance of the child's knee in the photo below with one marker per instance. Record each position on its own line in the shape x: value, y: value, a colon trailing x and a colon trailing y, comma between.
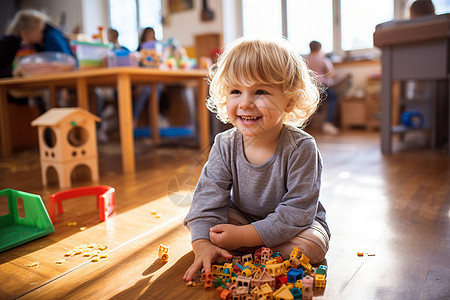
x: 310, y: 249
x: 313, y: 251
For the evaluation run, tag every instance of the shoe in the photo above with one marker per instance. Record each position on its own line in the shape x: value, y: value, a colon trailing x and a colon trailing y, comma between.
x: 329, y: 128
x: 102, y: 136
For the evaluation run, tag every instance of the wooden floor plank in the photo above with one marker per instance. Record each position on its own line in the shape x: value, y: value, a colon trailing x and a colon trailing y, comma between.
x: 395, y: 207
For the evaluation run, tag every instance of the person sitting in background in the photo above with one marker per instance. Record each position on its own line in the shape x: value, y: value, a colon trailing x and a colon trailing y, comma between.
x: 421, y: 8
x: 148, y: 34
x: 419, y: 89
x: 102, y: 93
x: 319, y: 63
x: 56, y: 40
x: 144, y: 91
x: 113, y: 38
x: 23, y: 34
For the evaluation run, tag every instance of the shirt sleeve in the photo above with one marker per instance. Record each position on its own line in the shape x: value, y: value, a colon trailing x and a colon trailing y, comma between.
x: 211, y: 196
x: 298, y: 208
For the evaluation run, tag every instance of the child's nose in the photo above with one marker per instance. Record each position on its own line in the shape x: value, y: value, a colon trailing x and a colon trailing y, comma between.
x: 247, y: 101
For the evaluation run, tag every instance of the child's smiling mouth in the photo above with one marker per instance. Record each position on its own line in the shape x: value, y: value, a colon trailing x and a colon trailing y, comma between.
x: 250, y: 118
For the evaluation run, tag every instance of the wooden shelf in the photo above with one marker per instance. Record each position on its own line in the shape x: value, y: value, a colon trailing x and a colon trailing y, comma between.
x: 404, y: 129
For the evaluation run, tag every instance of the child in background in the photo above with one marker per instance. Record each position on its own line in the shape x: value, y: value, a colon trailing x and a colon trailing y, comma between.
x: 260, y: 186
x: 144, y: 91
x: 113, y: 37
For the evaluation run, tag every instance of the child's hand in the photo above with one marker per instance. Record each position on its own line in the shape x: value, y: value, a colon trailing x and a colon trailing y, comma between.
x: 227, y: 236
x: 205, y: 253
x: 231, y: 237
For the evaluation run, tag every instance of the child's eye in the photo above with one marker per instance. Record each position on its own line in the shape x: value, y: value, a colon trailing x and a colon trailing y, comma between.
x: 235, y: 92
x: 261, y: 92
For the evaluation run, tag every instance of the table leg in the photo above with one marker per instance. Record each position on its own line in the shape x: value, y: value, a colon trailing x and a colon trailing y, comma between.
x: 53, y: 98
x: 5, y: 136
x: 154, y: 112
x: 82, y: 93
x: 386, y: 101
x: 126, y: 122
x: 203, y: 114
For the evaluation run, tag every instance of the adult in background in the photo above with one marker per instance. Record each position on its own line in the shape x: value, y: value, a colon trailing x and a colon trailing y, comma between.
x: 21, y: 38
x: 421, y: 8
x: 322, y: 65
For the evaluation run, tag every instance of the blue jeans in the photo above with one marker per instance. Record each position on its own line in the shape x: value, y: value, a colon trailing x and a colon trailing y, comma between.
x: 332, y: 104
x: 142, y: 98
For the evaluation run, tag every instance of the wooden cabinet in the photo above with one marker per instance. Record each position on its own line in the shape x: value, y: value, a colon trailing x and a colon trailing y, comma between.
x: 352, y: 112
x: 207, y: 44
x: 362, y: 111
x: 22, y: 134
x: 373, y: 102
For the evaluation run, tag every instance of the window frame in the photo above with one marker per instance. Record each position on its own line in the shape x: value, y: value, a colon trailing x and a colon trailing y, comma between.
x: 159, y: 32
x: 234, y: 7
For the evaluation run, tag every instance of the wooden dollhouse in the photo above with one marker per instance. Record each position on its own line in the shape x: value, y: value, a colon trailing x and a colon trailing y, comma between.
x: 67, y: 139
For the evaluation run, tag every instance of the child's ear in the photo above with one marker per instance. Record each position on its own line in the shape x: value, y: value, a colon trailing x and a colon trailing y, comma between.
x: 289, y: 105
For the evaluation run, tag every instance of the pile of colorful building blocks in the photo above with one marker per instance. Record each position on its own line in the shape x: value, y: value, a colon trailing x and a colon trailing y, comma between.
x: 265, y: 275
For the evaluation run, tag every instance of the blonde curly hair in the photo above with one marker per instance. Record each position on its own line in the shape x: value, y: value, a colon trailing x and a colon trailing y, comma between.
x: 27, y: 19
x: 250, y: 61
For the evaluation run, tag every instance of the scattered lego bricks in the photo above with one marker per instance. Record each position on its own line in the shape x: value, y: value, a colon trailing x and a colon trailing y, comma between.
x: 155, y: 214
x: 361, y: 254
x: 163, y: 252
x: 265, y: 275
x: 34, y: 264
x: 91, y: 251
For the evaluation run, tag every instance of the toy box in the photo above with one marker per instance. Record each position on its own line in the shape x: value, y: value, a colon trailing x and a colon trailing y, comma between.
x: 46, y: 63
x: 90, y: 55
x: 122, y: 58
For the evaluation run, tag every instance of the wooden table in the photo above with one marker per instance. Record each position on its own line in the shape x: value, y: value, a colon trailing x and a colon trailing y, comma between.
x: 123, y: 78
x: 418, y: 50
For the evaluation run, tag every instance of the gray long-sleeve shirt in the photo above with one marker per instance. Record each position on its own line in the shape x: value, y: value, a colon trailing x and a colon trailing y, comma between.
x: 279, y: 198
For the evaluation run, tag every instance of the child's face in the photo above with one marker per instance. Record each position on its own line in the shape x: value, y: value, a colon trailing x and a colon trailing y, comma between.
x: 256, y: 110
x: 33, y: 36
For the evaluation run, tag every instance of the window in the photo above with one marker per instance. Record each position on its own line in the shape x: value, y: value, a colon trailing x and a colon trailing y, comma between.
x: 129, y: 17
x: 150, y: 16
x: 441, y: 6
x: 310, y: 20
x: 263, y: 17
x: 359, y: 18
x: 123, y: 18
x: 320, y: 20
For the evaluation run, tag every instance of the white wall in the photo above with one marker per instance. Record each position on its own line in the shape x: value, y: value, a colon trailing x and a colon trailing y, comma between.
x: 53, y: 8
x: 232, y: 14
x: 88, y: 14
x: 185, y: 25
x: 360, y: 72
x: 92, y: 13
x: 95, y: 13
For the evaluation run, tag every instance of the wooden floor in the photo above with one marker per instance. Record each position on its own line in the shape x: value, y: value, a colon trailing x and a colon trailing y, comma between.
x: 394, y: 207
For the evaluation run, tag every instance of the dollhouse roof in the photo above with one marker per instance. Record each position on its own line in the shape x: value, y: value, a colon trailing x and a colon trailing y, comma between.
x: 265, y: 276
x: 283, y: 293
x: 55, y: 116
